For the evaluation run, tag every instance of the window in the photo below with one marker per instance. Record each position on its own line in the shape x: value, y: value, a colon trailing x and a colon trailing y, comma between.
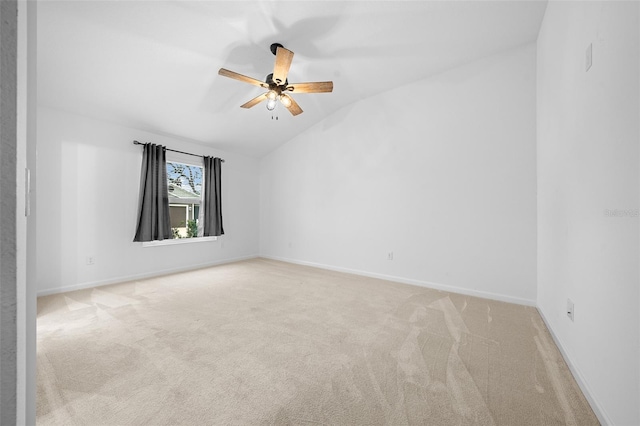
x: 184, y: 198
x: 184, y: 183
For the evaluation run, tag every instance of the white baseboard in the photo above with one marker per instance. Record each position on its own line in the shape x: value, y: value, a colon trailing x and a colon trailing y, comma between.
x: 419, y: 283
x: 577, y: 375
x: 125, y: 278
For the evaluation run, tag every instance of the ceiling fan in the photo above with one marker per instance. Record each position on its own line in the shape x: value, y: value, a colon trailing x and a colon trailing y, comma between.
x: 277, y: 84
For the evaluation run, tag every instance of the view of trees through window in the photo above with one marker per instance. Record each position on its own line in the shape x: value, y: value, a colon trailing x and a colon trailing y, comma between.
x: 185, y: 187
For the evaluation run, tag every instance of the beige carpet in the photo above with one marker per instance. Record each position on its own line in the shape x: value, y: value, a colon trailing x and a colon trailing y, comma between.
x: 266, y: 342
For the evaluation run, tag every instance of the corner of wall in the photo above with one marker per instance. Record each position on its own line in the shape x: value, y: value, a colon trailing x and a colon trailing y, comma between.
x: 576, y: 372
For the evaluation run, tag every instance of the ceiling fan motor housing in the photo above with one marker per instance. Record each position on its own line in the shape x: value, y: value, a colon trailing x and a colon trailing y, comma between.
x: 270, y: 82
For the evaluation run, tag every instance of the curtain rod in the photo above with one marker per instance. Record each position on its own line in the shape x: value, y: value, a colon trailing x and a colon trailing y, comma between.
x: 175, y: 150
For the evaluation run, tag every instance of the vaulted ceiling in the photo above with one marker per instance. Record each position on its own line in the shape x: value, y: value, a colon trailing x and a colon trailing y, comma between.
x: 153, y: 65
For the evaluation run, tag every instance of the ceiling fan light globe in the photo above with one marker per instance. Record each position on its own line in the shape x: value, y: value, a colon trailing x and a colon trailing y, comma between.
x: 286, y: 101
x: 271, y: 104
x: 272, y: 95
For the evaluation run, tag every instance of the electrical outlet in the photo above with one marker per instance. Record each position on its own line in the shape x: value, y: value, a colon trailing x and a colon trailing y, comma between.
x: 390, y: 255
x: 91, y: 260
x: 570, y: 309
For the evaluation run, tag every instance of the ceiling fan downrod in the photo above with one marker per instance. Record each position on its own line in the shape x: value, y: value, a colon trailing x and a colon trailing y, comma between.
x: 274, y: 48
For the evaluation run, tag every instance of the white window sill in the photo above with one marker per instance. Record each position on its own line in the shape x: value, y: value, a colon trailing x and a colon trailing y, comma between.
x: 178, y: 241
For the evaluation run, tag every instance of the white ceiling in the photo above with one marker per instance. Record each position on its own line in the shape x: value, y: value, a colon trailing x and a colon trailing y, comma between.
x: 153, y: 65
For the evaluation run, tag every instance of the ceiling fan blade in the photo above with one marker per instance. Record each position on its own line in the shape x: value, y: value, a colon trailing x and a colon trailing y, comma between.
x: 293, y: 107
x: 316, y: 87
x: 254, y: 101
x: 231, y: 74
x: 283, y: 63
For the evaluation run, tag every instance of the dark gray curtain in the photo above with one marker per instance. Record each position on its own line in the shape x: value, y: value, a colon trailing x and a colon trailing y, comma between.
x: 153, y: 207
x: 212, y: 197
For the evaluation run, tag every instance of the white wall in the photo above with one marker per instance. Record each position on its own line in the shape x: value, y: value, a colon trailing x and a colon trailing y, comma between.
x: 588, y: 162
x: 440, y: 171
x: 88, y: 182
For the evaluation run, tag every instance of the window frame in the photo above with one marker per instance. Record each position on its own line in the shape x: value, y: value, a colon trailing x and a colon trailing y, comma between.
x: 173, y: 241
